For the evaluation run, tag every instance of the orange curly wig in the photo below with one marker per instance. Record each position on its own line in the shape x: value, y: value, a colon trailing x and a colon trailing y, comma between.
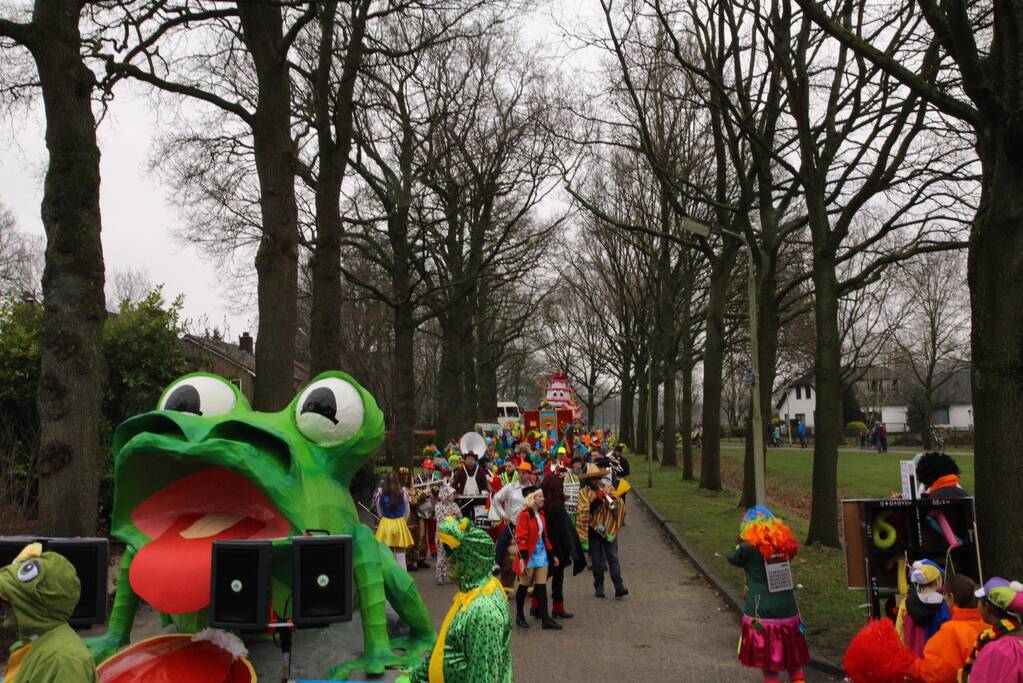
x: 768, y: 534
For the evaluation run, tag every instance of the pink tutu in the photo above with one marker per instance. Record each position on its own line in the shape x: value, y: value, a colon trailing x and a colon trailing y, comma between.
x: 778, y: 646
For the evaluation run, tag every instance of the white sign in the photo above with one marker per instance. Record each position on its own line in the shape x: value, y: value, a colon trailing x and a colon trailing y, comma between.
x: 908, y: 469
x: 779, y: 576
x: 571, y: 498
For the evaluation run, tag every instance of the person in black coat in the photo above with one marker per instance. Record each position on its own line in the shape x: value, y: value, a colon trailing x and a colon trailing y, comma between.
x: 561, y: 532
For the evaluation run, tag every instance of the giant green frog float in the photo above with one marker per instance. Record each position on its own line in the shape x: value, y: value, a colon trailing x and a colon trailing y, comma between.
x: 204, y: 467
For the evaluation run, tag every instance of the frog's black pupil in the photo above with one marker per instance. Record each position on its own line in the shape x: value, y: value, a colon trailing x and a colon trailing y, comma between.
x: 184, y: 399
x: 322, y: 402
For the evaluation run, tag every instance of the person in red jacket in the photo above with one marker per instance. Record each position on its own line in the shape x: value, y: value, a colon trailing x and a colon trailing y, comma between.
x: 534, y: 558
x: 946, y: 651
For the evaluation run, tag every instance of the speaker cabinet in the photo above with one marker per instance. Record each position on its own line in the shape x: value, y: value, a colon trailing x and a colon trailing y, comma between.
x: 321, y: 580
x: 10, y: 546
x: 240, y: 585
x: 91, y: 560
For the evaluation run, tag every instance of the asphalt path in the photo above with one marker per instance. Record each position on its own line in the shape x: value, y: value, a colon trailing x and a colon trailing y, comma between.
x: 671, y: 626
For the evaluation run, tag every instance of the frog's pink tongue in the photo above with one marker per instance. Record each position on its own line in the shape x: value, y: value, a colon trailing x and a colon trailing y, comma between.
x: 172, y: 572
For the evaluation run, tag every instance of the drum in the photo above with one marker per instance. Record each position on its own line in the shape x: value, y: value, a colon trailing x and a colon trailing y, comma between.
x: 480, y: 518
x: 469, y: 504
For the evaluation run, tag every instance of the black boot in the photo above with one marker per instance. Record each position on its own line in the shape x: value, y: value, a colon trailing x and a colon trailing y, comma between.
x: 621, y: 591
x: 598, y: 590
x: 520, y: 604
x: 540, y: 591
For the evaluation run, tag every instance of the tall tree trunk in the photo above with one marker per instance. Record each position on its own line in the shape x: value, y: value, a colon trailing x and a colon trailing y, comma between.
x: 449, y: 383
x: 713, y: 365
x: 828, y: 412
x: 626, y: 409
x: 642, y: 420
x: 669, y: 456
x: 926, y: 418
x: 71, y: 357
x: 469, y: 407
x: 687, y: 419
x: 277, y: 256
x: 404, y: 384
x: 995, y: 274
x: 325, y: 322
x: 325, y: 268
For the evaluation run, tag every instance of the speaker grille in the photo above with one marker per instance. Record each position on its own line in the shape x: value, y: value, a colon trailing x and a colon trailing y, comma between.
x: 322, y: 579
x: 240, y: 584
x: 90, y: 558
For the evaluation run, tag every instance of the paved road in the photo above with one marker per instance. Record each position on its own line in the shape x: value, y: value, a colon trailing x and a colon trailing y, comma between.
x: 671, y: 627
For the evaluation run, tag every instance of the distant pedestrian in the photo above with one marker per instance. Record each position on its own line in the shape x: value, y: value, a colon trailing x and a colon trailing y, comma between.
x: 802, y: 434
x: 884, y: 437
x: 876, y: 436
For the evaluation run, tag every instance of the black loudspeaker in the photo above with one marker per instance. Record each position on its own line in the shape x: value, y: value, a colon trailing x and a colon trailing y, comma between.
x: 10, y: 546
x: 321, y: 580
x: 90, y: 558
x: 240, y: 585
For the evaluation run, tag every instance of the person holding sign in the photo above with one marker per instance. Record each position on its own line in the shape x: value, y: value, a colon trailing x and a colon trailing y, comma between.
x: 772, y: 637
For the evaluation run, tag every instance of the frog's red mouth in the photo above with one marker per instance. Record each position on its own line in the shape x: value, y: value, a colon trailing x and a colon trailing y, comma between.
x: 172, y: 571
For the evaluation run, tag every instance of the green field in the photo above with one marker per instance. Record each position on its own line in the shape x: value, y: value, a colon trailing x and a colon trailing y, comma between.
x: 708, y: 523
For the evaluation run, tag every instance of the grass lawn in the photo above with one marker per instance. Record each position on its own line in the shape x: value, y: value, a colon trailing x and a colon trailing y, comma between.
x: 709, y: 521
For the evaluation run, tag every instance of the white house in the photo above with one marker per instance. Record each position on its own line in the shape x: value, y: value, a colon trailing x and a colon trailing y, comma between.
x: 880, y: 396
x: 798, y: 402
x: 956, y: 399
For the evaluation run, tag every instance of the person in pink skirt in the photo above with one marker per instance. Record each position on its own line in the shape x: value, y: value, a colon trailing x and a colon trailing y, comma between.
x: 772, y: 637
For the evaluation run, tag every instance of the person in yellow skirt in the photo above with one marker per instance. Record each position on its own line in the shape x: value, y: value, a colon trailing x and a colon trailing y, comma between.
x: 393, y: 507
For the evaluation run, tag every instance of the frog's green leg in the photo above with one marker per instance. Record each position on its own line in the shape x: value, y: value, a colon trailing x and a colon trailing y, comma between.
x: 404, y: 598
x: 369, y: 582
x: 122, y: 616
x: 376, y: 578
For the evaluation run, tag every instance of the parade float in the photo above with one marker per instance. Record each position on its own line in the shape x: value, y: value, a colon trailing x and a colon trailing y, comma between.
x: 205, y: 469
x: 559, y: 409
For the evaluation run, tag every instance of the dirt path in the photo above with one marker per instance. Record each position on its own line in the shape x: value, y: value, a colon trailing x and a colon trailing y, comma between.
x: 671, y: 627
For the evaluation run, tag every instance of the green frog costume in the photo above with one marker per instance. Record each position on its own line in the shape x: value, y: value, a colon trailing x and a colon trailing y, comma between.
x: 41, y: 591
x: 475, y: 638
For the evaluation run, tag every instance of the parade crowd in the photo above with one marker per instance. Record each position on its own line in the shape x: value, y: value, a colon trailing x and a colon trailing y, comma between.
x: 550, y: 505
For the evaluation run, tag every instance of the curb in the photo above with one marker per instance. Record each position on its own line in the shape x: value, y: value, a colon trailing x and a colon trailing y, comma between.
x: 820, y: 663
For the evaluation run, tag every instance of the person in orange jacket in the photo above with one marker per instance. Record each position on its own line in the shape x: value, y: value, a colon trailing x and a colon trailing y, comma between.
x: 947, y: 650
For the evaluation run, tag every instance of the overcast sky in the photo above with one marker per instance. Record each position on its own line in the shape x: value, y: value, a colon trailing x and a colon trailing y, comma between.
x: 138, y: 222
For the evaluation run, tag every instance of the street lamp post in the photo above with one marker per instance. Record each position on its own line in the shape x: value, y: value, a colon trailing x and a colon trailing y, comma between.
x: 704, y: 230
x: 651, y: 412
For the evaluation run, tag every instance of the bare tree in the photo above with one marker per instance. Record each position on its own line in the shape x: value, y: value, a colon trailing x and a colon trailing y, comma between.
x: 128, y: 285
x: 21, y: 259
x: 979, y: 86
x: 237, y: 61
x: 932, y: 329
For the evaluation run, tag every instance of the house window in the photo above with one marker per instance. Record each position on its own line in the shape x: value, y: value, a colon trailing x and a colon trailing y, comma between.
x: 808, y: 391
x: 799, y: 392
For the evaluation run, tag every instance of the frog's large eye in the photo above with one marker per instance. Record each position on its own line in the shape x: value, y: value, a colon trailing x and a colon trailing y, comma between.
x: 28, y: 571
x: 199, y: 395
x: 329, y: 411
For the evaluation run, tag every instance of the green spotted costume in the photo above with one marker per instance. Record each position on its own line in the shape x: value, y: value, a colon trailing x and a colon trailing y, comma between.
x: 475, y: 639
